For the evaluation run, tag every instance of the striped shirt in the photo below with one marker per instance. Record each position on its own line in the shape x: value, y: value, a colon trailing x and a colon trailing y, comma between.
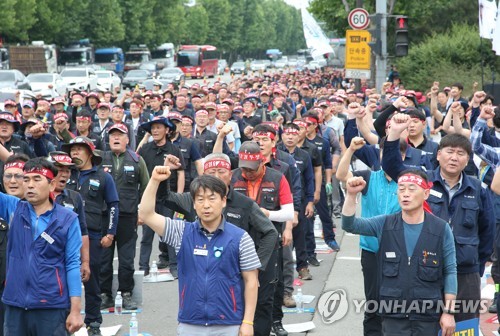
x: 174, y: 229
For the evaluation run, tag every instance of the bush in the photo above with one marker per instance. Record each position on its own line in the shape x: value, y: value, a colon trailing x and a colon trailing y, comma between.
x: 451, y: 57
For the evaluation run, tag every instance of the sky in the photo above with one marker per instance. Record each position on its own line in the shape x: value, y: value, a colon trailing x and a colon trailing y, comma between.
x: 298, y: 3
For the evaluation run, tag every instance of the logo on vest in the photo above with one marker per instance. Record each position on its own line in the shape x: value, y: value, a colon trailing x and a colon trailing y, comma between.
x: 232, y: 215
x: 269, y: 190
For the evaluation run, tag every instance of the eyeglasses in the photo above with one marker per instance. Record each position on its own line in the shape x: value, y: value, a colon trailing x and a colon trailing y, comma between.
x: 9, y: 177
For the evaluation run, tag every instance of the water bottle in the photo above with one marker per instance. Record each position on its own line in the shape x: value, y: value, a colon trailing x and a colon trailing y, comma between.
x: 299, y: 300
x: 134, y: 325
x: 118, y: 303
x: 154, y: 271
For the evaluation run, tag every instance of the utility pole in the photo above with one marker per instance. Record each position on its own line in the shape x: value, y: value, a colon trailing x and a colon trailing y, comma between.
x: 381, y: 60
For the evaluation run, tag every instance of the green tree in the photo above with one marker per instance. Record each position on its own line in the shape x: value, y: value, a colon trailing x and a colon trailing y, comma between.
x: 24, y: 20
x: 232, y: 36
x: 134, y: 13
x: 170, y: 22
x: 297, y: 40
x: 7, y: 18
x: 75, y: 23
x: 197, y: 25
x: 49, y: 21
x: 447, y: 58
x: 105, y: 26
x: 219, y: 15
x: 425, y: 17
x: 254, y: 28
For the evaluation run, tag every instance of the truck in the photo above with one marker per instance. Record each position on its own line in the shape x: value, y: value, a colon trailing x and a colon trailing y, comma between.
x: 136, y: 55
x: 50, y: 54
x: 111, y: 58
x: 77, y: 54
x: 37, y: 57
x: 164, y: 56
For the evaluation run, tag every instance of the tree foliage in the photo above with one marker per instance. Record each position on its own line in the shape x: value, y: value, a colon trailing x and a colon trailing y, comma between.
x: 425, y: 17
x: 235, y: 27
x: 448, y: 57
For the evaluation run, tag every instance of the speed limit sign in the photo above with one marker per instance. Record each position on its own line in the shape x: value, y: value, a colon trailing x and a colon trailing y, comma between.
x: 358, y: 18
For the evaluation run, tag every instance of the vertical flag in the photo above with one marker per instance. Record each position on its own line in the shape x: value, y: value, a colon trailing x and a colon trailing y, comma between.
x: 487, y: 16
x: 496, y: 34
x: 316, y: 39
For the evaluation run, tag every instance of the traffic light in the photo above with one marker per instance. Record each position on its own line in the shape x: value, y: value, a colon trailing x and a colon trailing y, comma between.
x: 376, y: 33
x: 402, y: 38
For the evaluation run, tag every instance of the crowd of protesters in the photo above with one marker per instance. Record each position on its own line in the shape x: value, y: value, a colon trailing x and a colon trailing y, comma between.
x: 285, y: 149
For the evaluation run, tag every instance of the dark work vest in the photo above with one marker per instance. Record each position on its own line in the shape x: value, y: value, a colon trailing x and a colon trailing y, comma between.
x: 92, y: 192
x: 410, y: 287
x: 127, y: 179
x: 268, y: 196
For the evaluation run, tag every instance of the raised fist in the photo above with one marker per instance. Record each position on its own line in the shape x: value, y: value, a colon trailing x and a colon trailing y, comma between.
x: 355, y: 185
x: 161, y: 173
x: 357, y: 143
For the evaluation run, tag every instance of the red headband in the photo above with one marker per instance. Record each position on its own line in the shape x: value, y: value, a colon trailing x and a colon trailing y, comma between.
x: 187, y: 120
x: 61, y: 115
x: 290, y: 130
x: 201, y: 112
x: 217, y: 163
x: 83, y: 118
x: 62, y: 159
x: 310, y: 120
x: 17, y: 164
x: 40, y: 171
x: 300, y: 123
x: 418, y: 180
x: 265, y: 134
x: 250, y: 157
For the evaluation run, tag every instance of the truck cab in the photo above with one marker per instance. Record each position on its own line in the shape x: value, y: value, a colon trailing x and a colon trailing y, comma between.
x: 111, y: 59
x: 76, y: 54
x: 136, y: 55
x: 164, y: 56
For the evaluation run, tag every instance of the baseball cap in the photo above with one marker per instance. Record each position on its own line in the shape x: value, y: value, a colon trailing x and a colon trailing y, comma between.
x: 60, y: 158
x: 120, y: 127
x: 28, y: 103
x: 249, y: 155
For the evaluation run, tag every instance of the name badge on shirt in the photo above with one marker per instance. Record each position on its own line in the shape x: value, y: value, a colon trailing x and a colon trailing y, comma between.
x: 436, y: 193
x: 201, y: 252
x: 48, y: 238
x: 390, y: 255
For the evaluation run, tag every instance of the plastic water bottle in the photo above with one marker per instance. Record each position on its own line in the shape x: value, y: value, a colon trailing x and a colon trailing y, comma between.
x: 154, y: 271
x: 118, y: 303
x: 299, y: 300
x: 134, y: 325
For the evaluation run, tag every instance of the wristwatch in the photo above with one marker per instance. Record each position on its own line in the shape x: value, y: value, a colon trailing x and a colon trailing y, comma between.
x: 448, y: 311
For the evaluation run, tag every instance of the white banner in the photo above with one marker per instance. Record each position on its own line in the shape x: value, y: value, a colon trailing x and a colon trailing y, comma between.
x: 316, y: 39
x: 496, y: 34
x: 487, y: 17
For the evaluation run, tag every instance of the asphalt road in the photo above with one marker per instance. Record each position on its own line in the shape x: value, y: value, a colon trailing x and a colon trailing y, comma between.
x: 160, y: 300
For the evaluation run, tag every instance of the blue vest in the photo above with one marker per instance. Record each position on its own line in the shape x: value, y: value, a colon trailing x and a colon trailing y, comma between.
x: 462, y: 213
x: 36, y: 270
x: 211, y: 286
x: 380, y: 199
x: 403, y: 279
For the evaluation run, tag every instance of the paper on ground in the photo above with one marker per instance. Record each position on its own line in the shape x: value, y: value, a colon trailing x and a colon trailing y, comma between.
x: 162, y: 277
x: 105, y: 331
x: 299, y: 327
